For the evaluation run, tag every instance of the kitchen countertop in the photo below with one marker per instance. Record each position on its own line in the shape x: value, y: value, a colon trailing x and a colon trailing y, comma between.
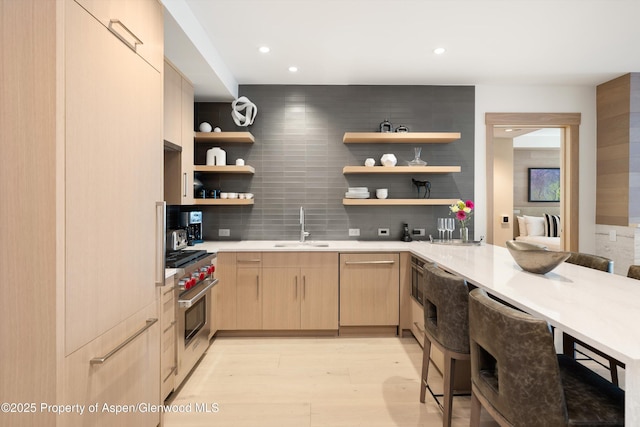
x: 598, y: 308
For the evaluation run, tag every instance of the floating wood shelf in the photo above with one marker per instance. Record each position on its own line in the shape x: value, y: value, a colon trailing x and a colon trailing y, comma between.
x: 398, y: 202
x: 223, y: 202
x: 400, y: 137
x: 225, y: 169
x: 399, y: 169
x: 222, y: 137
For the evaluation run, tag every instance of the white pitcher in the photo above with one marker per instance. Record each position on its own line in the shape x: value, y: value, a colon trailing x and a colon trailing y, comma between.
x: 216, y: 156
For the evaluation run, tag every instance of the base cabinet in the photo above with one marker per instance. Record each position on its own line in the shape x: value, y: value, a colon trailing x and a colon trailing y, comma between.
x: 300, y: 290
x: 369, y: 289
x: 167, y: 338
x: 248, y: 290
x: 127, y: 378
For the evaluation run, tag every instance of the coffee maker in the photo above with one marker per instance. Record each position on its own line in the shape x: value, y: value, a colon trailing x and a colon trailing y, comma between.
x: 192, y: 221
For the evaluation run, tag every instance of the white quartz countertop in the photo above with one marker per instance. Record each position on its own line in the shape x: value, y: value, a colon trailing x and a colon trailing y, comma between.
x: 292, y: 245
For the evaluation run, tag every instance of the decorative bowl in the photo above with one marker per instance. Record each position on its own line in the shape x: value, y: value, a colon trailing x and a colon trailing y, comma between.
x: 535, y: 258
x: 388, y: 160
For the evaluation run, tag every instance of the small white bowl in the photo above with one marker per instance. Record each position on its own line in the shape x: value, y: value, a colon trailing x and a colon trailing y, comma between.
x: 224, y: 195
x: 249, y: 195
x: 242, y: 196
x: 233, y: 195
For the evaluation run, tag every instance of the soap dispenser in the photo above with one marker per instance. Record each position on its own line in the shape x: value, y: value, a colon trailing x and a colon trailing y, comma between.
x: 406, y: 237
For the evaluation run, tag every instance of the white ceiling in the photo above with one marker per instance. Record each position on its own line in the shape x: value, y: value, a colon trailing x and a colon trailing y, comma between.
x: 549, y: 42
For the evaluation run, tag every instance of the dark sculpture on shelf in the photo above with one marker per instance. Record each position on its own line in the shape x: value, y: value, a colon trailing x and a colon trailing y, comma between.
x: 423, y: 184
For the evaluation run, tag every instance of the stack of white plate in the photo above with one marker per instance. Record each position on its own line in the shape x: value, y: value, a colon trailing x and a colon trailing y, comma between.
x: 357, y: 193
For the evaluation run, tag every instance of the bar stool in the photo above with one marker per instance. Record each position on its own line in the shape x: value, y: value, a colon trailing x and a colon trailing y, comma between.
x: 519, y: 379
x: 446, y: 325
x: 634, y: 272
x: 569, y: 342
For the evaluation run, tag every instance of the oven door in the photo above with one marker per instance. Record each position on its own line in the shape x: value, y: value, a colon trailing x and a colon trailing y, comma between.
x: 194, y: 309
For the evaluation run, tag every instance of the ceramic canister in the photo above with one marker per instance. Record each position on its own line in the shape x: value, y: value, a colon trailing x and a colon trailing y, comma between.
x: 216, y: 156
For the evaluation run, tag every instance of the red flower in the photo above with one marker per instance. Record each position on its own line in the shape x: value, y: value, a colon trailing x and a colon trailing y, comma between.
x: 469, y: 204
x: 461, y: 215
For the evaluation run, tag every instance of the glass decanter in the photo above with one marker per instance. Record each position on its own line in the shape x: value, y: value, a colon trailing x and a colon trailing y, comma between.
x: 417, y: 161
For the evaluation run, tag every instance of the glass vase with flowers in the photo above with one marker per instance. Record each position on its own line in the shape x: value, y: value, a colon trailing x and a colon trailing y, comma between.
x: 463, y: 211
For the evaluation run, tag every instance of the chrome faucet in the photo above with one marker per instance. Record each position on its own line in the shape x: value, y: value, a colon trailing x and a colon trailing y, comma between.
x: 303, y: 234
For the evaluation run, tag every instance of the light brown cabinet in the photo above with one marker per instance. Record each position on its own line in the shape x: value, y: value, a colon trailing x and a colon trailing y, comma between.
x: 225, y: 309
x: 369, y: 289
x: 300, y: 290
x: 249, y: 290
x: 89, y: 121
x: 167, y: 337
x: 178, y: 130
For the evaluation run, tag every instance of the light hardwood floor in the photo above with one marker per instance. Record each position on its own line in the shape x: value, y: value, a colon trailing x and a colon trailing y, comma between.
x: 312, y: 382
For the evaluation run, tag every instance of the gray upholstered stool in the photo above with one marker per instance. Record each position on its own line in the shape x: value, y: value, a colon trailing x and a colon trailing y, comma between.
x: 446, y: 325
x: 634, y: 272
x: 569, y: 342
x: 519, y: 379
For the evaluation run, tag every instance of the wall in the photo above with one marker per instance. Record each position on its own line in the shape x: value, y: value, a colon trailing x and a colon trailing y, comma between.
x: 503, y: 189
x: 299, y: 156
x: 532, y: 99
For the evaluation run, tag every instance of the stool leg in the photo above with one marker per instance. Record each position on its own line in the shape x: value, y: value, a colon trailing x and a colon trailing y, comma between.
x: 449, y: 366
x: 613, y: 367
x: 474, y: 418
x: 426, y: 351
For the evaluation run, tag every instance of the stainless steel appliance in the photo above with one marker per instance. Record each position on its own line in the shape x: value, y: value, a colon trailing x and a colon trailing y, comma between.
x: 192, y: 221
x: 195, y: 278
x: 417, y: 273
x: 194, y: 312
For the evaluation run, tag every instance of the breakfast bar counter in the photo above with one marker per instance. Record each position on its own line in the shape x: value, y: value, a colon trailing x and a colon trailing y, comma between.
x: 598, y: 308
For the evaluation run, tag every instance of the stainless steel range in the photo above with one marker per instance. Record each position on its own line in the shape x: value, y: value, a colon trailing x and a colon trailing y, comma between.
x: 196, y: 277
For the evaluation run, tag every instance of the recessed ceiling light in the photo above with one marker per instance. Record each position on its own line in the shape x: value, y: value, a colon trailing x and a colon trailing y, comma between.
x: 293, y: 69
x: 264, y: 49
x: 439, y: 50
x: 508, y: 130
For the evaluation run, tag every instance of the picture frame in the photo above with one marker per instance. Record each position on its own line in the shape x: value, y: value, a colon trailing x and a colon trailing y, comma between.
x: 544, y: 185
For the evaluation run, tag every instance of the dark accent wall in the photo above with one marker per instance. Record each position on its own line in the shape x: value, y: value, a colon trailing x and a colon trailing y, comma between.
x: 299, y: 155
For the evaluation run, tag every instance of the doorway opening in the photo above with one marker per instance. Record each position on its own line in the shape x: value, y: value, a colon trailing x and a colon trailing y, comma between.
x: 567, y: 124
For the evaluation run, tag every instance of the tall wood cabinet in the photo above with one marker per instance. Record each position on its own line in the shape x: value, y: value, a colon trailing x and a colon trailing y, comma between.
x: 84, y: 141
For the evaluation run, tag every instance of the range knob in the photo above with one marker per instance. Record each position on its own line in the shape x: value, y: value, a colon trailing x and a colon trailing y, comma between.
x: 211, y: 269
x: 183, y: 283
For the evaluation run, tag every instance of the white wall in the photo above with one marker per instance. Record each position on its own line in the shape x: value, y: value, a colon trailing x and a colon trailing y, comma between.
x: 541, y: 99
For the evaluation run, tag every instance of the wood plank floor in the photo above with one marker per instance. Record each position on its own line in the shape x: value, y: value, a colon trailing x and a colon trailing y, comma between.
x: 312, y: 382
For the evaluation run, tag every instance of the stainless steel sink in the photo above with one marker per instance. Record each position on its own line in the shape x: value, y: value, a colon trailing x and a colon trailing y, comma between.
x: 301, y: 245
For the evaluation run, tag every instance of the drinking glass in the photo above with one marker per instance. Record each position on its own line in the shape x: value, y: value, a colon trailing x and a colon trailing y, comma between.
x: 451, y: 226
x: 441, y: 228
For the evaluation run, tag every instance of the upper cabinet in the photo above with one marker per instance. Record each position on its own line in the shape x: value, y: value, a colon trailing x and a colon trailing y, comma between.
x: 400, y: 137
x: 172, y: 105
x: 178, y: 130
x: 138, y: 24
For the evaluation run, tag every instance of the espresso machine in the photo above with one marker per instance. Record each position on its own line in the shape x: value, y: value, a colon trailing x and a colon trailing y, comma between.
x: 192, y: 221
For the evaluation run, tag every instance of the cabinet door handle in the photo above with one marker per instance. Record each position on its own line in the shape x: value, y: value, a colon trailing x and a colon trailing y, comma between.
x: 296, y: 287
x: 161, y: 221
x: 173, y: 369
x: 169, y: 327
x: 249, y: 260
x: 257, y: 287
x: 101, y: 360
x: 304, y: 287
x: 169, y: 290
x: 133, y: 46
x: 368, y: 262
x: 184, y: 189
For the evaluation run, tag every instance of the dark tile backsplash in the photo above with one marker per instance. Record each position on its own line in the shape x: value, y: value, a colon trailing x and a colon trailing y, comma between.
x: 299, y: 155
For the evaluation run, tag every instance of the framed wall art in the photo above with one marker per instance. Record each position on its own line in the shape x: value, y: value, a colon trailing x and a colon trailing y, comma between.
x: 544, y: 184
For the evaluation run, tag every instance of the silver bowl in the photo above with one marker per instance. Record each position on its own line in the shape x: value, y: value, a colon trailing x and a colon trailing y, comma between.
x: 535, y: 258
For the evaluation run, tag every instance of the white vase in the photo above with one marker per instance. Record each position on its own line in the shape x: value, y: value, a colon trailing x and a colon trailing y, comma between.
x: 216, y: 156
x: 388, y: 160
x: 205, y: 127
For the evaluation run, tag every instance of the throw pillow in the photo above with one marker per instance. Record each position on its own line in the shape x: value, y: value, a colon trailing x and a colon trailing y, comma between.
x: 535, y: 225
x: 551, y: 225
x: 522, y: 226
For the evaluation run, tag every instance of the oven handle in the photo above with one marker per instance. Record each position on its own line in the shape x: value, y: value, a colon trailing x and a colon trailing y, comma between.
x: 186, y: 303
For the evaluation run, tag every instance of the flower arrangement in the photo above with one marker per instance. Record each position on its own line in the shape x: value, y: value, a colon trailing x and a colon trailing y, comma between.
x: 462, y: 211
